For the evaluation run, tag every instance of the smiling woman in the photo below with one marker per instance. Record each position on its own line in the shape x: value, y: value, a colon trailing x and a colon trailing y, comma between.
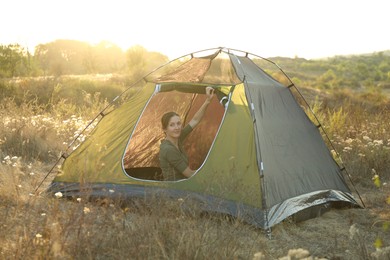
x: 142, y: 158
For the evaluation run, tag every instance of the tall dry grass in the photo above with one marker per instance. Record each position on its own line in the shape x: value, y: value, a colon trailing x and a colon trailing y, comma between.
x: 37, y: 226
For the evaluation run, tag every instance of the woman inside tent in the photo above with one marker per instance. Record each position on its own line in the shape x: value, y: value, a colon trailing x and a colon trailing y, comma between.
x: 173, y: 159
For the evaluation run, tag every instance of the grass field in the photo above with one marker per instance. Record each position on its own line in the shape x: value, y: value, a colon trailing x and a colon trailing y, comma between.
x: 37, y: 226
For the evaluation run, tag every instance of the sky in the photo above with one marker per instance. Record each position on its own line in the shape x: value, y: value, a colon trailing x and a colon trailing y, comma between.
x: 291, y: 28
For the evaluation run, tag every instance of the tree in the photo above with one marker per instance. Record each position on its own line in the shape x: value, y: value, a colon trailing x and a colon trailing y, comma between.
x: 108, y: 57
x: 13, y: 60
x: 140, y: 61
x: 62, y: 57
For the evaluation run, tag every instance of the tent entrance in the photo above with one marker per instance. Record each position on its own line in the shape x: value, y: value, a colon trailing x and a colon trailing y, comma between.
x: 141, y: 159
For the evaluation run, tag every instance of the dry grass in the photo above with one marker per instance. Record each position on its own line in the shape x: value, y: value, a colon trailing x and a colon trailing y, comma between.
x: 41, y: 227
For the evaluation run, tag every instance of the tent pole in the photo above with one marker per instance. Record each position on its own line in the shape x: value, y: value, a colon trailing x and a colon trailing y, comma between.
x: 259, y: 161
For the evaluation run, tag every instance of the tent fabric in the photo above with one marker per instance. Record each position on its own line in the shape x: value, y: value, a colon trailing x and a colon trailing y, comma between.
x: 291, y: 147
x: 257, y: 154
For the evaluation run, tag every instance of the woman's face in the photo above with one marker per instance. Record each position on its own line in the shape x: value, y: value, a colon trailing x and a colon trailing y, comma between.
x: 174, y: 127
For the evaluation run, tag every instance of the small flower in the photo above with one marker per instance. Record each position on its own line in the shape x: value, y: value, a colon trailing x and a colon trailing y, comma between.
x: 378, y: 243
x: 111, y: 191
x: 366, y: 138
x: 31, y: 174
x: 347, y: 149
x: 376, y: 180
x: 353, y: 232
x: 349, y: 141
x: 258, y: 256
x: 86, y: 210
x: 58, y: 194
x: 78, y: 199
x: 38, y: 235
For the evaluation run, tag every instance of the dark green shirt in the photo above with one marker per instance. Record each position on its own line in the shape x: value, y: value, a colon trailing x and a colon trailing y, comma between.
x: 174, y: 161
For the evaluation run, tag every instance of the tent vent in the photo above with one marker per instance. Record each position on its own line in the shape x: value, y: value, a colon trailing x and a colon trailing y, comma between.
x: 291, y: 85
x: 318, y: 126
x: 102, y: 114
x: 342, y: 169
x: 64, y: 155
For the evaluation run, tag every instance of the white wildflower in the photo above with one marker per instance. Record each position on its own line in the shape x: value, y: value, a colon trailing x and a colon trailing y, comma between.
x: 298, y: 253
x: 353, y: 232
x: 78, y: 199
x: 111, y: 191
x: 86, y: 210
x: 258, y: 256
x: 366, y: 138
x: 7, y: 158
x: 32, y: 174
x: 347, y: 149
x: 58, y: 194
x: 349, y: 141
x: 14, y: 158
x: 38, y: 235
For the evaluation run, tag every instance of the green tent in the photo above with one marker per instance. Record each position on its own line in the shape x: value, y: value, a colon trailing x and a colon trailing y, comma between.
x: 258, y: 155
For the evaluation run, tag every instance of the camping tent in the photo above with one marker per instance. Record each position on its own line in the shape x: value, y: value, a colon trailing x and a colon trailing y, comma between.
x: 257, y: 153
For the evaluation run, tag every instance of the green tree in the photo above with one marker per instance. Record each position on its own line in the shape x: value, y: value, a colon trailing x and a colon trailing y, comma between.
x: 109, y: 57
x: 62, y: 57
x: 13, y: 60
x: 140, y: 61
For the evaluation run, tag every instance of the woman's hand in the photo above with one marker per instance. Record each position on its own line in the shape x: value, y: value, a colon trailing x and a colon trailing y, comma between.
x: 209, y: 93
x: 200, y: 113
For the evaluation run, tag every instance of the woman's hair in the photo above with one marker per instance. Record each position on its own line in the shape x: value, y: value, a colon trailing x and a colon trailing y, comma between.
x: 166, y: 117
